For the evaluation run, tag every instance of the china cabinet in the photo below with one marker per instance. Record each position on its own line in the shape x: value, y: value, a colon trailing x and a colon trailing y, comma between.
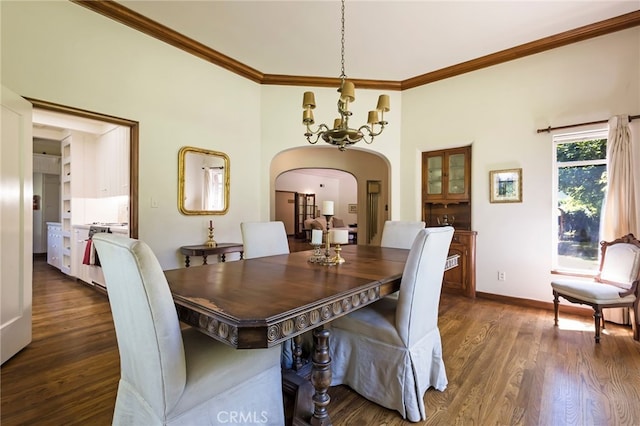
x: 446, y: 200
x: 446, y: 175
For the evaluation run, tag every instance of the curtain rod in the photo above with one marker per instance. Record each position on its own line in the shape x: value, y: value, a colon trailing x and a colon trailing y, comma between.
x: 549, y: 129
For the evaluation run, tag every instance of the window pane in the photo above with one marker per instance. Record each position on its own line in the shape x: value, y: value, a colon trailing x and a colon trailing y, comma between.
x: 580, y: 196
x: 594, y: 149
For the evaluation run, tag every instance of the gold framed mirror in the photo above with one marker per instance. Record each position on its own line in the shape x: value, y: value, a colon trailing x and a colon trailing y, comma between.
x: 203, y: 181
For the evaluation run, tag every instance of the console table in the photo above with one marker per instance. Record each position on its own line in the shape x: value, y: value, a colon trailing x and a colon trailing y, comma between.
x: 203, y: 250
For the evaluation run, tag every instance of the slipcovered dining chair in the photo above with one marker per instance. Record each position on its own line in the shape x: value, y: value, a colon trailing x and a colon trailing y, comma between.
x: 264, y: 239
x: 615, y: 285
x: 170, y: 376
x: 400, y: 233
x: 390, y: 352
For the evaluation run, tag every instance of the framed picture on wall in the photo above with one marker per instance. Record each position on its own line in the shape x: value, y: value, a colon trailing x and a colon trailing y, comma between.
x: 506, y: 186
x: 353, y: 208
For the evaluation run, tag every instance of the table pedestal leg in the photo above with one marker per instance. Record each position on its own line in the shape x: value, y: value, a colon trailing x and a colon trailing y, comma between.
x: 321, y: 376
x: 297, y: 353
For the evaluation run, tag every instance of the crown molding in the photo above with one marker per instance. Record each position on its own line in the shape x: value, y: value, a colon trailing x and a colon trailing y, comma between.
x: 128, y: 17
x: 622, y: 22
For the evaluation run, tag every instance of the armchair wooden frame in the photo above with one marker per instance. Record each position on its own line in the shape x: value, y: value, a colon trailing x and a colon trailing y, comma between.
x: 597, y: 305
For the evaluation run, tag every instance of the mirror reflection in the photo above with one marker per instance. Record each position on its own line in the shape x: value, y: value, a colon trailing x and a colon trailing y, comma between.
x: 203, y: 181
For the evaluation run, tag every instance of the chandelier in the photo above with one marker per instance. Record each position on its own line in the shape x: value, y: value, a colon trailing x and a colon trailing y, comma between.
x: 341, y: 135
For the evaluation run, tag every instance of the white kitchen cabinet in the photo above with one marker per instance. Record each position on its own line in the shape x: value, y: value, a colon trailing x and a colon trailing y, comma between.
x: 77, y: 185
x: 112, y: 163
x: 78, y: 269
x: 54, y: 244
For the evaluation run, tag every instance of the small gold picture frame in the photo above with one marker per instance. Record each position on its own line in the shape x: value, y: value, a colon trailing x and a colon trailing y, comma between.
x: 506, y: 186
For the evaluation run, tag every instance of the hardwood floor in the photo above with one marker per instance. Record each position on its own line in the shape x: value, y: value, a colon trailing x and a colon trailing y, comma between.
x: 507, y: 365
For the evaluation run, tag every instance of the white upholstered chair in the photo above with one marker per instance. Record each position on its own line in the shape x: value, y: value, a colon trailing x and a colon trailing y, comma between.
x: 171, y: 376
x: 400, y: 233
x: 264, y: 239
x: 616, y: 284
x: 390, y: 352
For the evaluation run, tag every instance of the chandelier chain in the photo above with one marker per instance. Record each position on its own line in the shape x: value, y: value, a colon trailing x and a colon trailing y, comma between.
x: 340, y: 134
x: 342, y: 75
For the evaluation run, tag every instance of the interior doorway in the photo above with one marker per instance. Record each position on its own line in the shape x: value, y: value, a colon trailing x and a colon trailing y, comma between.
x: 51, y: 118
x: 301, y: 192
x: 362, y: 165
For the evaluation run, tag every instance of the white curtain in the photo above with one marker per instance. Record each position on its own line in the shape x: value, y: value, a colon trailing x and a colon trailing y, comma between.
x: 619, y: 216
x: 212, y: 191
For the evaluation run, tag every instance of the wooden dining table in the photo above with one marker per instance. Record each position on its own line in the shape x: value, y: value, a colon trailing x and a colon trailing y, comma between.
x: 262, y: 302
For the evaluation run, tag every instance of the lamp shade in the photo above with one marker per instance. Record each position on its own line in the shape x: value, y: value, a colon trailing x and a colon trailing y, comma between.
x: 348, y: 91
x: 373, y: 117
x: 383, y: 103
x: 307, y: 116
x: 308, y: 100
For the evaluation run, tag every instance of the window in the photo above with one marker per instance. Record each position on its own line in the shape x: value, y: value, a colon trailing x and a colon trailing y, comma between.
x: 580, y: 181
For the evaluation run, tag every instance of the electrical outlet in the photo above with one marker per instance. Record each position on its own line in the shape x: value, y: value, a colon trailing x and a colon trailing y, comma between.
x: 502, y: 276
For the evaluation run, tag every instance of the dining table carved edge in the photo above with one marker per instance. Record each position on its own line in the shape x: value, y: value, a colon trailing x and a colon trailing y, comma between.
x: 242, y: 334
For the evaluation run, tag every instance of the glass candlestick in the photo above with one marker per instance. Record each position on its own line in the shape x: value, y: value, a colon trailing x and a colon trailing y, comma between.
x: 317, y: 255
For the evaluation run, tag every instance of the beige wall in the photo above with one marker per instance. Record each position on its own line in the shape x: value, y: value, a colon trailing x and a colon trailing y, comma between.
x: 498, y: 110
x: 63, y: 53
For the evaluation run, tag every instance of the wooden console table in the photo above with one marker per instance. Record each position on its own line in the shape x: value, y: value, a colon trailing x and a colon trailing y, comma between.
x: 203, y: 250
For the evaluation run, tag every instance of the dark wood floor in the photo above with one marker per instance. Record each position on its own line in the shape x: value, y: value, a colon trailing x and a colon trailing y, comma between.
x: 507, y: 365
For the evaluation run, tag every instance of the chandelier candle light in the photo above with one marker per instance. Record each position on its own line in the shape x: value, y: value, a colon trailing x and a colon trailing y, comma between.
x: 341, y: 135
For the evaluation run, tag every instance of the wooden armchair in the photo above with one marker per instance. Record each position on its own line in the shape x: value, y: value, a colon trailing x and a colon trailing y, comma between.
x: 616, y: 284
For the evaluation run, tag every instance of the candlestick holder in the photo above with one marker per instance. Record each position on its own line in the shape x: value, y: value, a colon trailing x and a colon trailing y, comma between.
x: 337, y: 259
x: 317, y: 255
x: 327, y: 260
x: 210, y: 241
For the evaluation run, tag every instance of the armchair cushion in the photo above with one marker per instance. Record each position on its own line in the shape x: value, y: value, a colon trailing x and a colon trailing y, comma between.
x: 593, y: 292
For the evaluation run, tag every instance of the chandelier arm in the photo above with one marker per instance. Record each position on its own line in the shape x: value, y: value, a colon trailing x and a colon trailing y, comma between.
x: 321, y: 129
x: 370, y: 130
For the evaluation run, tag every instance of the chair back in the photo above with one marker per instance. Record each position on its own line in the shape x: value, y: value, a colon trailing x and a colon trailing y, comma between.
x: 147, y: 328
x: 419, y: 295
x: 620, y: 262
x: 264, y: 239
x: 400, y: 233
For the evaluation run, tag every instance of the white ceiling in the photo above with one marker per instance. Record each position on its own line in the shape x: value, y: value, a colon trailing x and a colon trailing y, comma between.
x: 385, y: 39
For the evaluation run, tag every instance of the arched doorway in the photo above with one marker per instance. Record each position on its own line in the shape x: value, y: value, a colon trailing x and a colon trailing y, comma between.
x: 365, y: 166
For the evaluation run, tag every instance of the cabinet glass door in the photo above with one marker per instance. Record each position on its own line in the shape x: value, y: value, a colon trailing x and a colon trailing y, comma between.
x: 434, y: 178
x: 456, y: 174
